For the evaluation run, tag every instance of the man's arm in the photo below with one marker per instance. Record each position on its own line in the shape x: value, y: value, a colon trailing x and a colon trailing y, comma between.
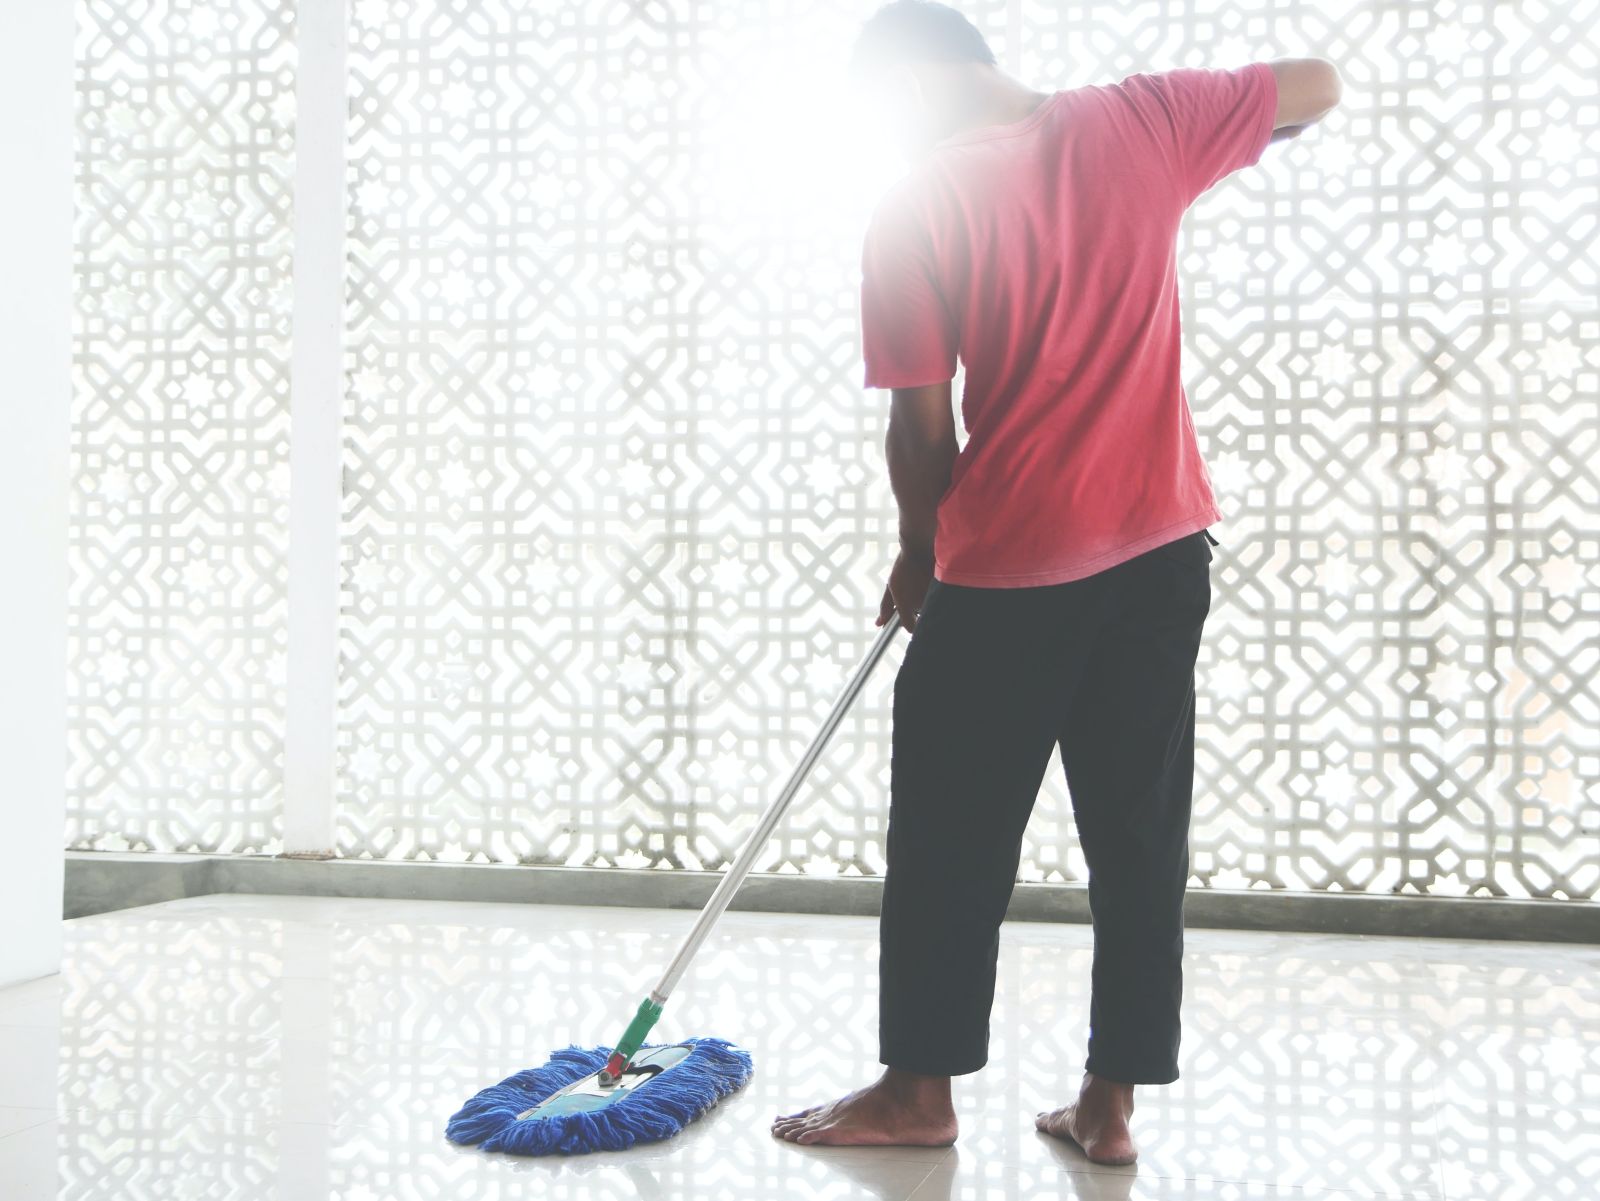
x: 921, y: 449
x: 1308, y: 89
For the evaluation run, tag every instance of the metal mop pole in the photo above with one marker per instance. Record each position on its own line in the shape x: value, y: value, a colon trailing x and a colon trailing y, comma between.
x: 650, y: 1008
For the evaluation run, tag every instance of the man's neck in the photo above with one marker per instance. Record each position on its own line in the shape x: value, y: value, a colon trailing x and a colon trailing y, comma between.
x: 996, y: 99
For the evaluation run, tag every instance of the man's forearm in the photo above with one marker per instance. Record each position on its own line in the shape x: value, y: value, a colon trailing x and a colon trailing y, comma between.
x: 919, y: 473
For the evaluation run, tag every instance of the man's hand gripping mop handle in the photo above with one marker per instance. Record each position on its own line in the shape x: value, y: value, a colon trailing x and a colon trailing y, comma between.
x: 650, y: 1008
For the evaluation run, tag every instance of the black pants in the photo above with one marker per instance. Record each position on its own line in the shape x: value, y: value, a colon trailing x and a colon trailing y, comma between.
x: 992, y: 681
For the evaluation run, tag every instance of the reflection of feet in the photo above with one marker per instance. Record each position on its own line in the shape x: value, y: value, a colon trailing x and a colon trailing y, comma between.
x: 900, y: 1110
x: 1097, y: 1121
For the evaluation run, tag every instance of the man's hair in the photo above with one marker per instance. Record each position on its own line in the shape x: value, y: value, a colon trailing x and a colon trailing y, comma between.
x: 911, y: 31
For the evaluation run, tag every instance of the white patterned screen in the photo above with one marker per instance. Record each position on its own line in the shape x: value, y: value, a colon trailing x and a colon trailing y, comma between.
x: 616, y: 505
x: 616, y: 519
x: 180, y: 424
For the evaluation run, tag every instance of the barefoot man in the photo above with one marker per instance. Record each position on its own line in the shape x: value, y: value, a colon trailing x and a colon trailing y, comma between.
x: 1055, y: 573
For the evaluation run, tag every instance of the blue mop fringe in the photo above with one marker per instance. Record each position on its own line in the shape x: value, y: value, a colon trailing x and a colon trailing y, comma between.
x: 649, y: 1113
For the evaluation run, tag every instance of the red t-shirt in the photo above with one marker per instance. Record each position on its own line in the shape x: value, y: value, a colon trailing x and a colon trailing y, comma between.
x: 1044, y: 253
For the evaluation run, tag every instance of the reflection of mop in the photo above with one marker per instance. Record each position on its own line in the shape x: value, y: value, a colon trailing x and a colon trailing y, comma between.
x: 595, y: 1100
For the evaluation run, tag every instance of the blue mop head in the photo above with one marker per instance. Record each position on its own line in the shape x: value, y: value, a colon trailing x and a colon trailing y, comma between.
x: 656, y: 1109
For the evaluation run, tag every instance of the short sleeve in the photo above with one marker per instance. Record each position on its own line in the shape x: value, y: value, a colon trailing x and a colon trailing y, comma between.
x: 1219, y: 120
x: 908, y: 336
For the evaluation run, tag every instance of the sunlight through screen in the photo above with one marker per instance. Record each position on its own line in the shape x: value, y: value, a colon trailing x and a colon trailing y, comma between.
x: 616, y: 518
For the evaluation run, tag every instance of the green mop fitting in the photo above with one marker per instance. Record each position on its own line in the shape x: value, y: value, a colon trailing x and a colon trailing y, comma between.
x: 612, y: 1098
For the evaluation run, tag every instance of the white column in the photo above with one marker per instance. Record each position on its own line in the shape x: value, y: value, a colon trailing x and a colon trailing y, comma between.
x: 317, y: 387
x: 36, y: 140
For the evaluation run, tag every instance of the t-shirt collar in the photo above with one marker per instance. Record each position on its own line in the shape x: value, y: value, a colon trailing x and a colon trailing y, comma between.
x: 985, y: 132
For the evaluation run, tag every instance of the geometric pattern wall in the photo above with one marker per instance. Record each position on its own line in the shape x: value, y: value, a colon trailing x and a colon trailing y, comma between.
x: 616, y: 519
x: 616, y: 514
x: 1393, y: 345
x: 180, y: 421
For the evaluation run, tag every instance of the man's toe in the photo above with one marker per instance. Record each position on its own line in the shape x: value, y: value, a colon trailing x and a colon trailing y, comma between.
x: 791, y: 1129
x: 790, y: 1119
x: 812, y: 1132
x: 1057, y: 1122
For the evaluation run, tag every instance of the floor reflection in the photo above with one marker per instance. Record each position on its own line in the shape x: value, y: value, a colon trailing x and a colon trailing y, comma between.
x: 252, y: 1047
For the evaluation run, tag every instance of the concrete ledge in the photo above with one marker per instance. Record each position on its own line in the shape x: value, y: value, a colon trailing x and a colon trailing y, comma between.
x: 98, y: 882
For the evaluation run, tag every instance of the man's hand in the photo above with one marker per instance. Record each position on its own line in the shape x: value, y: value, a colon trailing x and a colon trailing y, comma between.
x: 908, y: 586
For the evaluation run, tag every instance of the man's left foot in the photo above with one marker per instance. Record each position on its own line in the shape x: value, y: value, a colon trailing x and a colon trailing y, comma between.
x: 899, y: 1110
x: 1097, y: 1121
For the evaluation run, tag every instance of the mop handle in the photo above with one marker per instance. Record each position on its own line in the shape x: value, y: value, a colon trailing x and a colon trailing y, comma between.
x: 650, y: 1008
x: 757, y: 842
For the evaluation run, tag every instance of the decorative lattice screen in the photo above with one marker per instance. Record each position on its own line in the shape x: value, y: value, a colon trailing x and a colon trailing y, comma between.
x: 616, y: 519
x: 616, y: 507
x: 180, y: 424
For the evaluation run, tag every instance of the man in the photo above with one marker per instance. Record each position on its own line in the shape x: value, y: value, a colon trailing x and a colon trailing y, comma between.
x: 1055, y: 573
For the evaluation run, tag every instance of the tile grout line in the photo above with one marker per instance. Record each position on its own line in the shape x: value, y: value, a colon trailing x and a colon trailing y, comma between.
x: 1437, y: 1108
x: 50, y: 1115
x: 928, y: 1175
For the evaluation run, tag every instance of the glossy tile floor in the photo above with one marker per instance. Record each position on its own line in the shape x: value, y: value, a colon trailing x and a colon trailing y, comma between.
x: 308, y: 1048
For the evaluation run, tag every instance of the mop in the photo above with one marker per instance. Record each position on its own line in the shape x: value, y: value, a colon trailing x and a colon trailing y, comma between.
x: 609, y: 1099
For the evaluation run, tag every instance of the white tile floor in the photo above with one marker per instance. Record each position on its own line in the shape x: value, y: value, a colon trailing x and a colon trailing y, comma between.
x: 304, y: 1048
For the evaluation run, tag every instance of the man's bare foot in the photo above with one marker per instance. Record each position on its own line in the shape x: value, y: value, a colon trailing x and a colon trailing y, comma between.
x: 1097, y: 1121
x: 901, y: 1109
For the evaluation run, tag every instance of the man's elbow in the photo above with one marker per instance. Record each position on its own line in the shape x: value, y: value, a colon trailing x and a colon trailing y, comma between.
x: 1327, y: 87
x: 1308, y: 89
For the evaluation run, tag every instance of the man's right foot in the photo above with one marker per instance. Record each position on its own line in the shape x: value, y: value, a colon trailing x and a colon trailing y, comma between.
x: 1097, y: 1121
x: 900, y: 1109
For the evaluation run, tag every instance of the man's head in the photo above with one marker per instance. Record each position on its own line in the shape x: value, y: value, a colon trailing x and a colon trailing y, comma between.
x: 919, y: 63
